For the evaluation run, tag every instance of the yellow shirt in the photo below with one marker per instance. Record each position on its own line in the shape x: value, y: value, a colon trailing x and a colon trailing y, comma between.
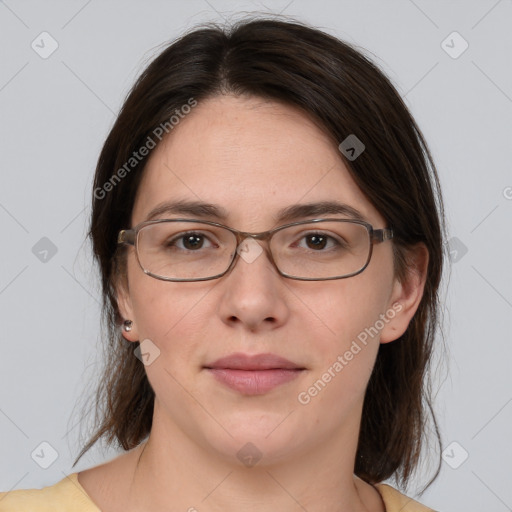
x: 69, y: 496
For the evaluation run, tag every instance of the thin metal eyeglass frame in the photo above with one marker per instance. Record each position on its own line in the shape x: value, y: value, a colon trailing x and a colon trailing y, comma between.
x: 130, y: 237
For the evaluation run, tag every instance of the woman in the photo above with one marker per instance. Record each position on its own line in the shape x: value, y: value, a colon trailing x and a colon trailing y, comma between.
x: 268, y: 224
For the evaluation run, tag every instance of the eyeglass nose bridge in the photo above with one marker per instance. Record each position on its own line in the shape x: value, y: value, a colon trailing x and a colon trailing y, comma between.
x: 264, y: 236
x: 241, y: 236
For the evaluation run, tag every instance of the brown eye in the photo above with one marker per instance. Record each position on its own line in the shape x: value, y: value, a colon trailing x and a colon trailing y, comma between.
x: 191, y: 241
x: 319, y: 241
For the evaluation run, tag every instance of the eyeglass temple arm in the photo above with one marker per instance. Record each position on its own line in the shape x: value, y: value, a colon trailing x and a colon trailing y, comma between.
x: 126, y: 236
x: 381, y: 235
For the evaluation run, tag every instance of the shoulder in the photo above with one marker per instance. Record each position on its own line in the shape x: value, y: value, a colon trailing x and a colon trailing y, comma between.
x: 65, y: 495
x: 395, y: 501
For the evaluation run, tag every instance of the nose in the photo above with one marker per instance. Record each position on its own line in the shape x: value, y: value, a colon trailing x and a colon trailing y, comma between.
x: 253, y: 292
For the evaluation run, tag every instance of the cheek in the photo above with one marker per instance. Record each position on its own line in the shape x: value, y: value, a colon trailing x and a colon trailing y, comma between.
x: 349, y: 308
x: 349, y: 314
x: 338, y: 382
x: 171, y: 315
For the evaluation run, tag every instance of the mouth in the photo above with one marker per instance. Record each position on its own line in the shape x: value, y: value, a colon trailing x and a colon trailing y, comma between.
x: 253, y: 375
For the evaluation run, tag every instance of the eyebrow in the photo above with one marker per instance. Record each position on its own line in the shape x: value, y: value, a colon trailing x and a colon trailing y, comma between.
x: 291, y: 213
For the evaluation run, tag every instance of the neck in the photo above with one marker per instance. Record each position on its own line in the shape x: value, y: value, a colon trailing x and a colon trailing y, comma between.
x: 174, y: 472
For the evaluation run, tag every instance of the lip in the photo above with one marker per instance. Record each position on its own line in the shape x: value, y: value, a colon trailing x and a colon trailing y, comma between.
x: 254, y: 375
x: 239, y: 361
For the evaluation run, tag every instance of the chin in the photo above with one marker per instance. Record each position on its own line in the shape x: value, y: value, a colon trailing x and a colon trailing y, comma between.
x: 257, y: 438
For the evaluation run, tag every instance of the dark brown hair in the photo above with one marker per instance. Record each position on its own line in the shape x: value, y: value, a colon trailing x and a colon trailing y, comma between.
x: 340, y: 88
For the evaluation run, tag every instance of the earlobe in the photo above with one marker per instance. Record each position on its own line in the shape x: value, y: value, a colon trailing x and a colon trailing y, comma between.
x: 128, y: 328
x: 406, y: 295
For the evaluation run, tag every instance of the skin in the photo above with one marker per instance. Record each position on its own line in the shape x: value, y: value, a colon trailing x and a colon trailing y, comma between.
x: 272, y: 156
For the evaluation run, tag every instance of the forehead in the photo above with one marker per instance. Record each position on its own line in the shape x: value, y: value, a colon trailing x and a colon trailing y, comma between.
x: 252, y: 157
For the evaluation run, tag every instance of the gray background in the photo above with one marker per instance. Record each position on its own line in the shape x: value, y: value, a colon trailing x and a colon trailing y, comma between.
x: 55, y: 114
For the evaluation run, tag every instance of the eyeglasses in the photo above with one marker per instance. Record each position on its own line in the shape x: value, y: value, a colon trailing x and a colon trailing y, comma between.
x: 310, y: 250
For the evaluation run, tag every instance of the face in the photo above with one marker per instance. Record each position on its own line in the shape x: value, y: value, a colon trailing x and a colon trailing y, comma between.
x: 253, y: 158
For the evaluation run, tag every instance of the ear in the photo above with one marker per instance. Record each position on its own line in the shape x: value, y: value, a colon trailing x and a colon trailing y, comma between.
x: 406, y: 295
x: 124, y: 303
